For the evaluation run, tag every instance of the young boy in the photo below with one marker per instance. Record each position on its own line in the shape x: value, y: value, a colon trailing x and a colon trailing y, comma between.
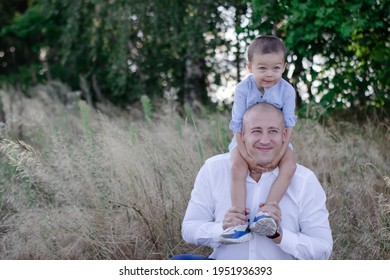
x: 266, y: 63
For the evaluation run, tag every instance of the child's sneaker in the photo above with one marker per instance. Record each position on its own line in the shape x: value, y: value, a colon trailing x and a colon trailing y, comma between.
x: 263, y: 224
x: 235, y: 235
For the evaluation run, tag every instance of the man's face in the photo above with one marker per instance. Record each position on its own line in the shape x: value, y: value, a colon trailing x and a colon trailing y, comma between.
x: 263, y: 135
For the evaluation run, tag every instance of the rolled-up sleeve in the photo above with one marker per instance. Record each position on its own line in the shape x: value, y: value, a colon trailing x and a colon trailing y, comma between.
x: 288, y: 110
x: 238, y: 110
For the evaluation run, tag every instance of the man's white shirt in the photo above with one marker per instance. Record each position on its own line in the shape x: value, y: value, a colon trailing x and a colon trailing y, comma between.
x: 305, y: 223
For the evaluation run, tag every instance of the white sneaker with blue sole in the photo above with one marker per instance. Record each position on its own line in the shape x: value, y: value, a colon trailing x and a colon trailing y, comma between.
x: 263, y: 224
x: 236, y: 235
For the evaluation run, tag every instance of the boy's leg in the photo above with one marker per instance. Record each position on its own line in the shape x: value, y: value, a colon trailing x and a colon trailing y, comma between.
x: 263, y: 223
x: 239, y: 171
x: 287, y: 167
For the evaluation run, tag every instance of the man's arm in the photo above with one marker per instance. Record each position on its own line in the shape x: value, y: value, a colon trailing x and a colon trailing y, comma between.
x: 314, y: 240
x: 199, y: 226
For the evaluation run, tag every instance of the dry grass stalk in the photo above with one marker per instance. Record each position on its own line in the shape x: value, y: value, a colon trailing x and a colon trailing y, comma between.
x: 120, y: 190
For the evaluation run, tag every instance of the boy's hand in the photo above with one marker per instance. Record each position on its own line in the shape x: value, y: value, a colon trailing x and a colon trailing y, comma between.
x: 255, y: 168
x: 268, y: 167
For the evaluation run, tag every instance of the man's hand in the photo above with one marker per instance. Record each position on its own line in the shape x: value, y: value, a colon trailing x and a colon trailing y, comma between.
x: 235, y: 217
x: 273, y: 210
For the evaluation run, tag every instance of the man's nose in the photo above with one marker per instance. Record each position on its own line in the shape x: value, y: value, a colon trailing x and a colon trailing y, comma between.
x: 264, y: 139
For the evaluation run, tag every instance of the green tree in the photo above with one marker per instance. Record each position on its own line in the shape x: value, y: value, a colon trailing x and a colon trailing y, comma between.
x: 122, y: 49
x: 13, y: 50
x: 350, y: 39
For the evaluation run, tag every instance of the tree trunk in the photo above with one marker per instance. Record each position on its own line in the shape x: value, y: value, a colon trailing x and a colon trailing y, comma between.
x: 2, y: 113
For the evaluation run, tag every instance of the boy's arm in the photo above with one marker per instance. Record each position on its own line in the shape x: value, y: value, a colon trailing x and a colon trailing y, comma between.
x: 282, y: 151
x: 242, y: 149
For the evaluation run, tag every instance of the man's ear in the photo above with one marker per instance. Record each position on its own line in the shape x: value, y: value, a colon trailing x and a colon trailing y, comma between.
x: 242, y: 136
x: 284, y: 135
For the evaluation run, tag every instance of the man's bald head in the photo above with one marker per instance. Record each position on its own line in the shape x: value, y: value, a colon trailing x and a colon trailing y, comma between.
x: 263, y: 133
x: 262, y: 108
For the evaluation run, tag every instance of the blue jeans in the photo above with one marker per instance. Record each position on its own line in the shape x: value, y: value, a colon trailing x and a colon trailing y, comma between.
x: 189, y: 257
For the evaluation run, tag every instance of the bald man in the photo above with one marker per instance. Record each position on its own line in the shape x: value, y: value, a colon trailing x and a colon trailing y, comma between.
x: 302, y: 217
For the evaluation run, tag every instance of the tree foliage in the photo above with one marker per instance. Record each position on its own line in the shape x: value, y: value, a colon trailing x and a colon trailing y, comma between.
x: 340, y: 49
x: 120, y: 50
x: 123, y: 49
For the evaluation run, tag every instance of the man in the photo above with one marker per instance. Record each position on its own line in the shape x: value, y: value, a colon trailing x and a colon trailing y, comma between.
x: 304, y: 231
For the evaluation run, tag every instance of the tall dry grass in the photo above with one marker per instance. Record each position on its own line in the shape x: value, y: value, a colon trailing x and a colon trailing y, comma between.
x: 114, y: 184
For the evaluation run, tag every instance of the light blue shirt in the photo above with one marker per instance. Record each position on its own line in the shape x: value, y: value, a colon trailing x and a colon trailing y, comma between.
x: 281, y: 95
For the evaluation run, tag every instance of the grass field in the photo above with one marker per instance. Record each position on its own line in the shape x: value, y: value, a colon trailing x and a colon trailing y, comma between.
x: 76, y: 183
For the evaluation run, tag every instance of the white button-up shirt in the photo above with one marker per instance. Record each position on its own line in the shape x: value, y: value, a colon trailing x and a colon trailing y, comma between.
x: 305, y: 224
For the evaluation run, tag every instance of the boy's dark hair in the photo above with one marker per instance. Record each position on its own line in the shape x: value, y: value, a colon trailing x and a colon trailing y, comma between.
x: 266, y: 44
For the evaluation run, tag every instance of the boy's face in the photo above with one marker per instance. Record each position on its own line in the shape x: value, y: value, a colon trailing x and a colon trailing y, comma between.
x: 267, y: 69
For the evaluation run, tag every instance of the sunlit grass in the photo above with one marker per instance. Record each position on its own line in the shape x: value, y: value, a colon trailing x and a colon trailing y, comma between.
x: 111, y: 184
